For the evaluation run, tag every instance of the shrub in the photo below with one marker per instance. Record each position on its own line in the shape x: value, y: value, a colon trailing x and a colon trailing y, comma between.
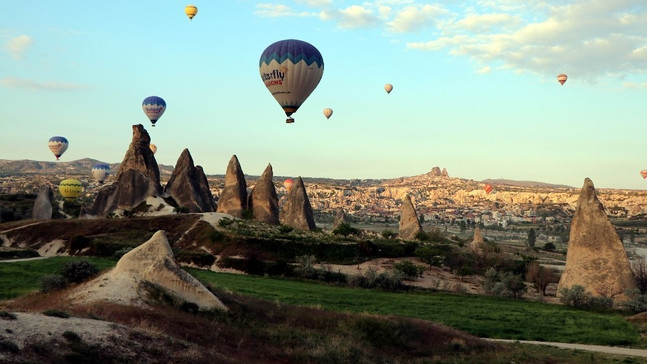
x: 540, y: 277
x: 71, y: 336
x: 550, y: 247
x: 577, y: 297
x: 181, y: 210
x: 344, y: 229
x: 78, y: 271
x: 639, y: 270
x: 215, y: 236
x: 225, y: 221
x: 305, y: 266
x: 637, y: 302
x: 4, y: 315
x: 121, y: 252
x: 56, y: 313
x: 284, y: 229
x: 8, y: 346
x: 52, y: 282
x: 409, y: 269
x: 247, y: 214
x: 388, y: 234
x: 504, y: 284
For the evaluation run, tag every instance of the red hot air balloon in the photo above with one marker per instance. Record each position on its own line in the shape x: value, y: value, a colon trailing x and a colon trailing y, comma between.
x: 644, y: 173
x: 561, y: 78
x: 288, y: 184
x: 488, y: 189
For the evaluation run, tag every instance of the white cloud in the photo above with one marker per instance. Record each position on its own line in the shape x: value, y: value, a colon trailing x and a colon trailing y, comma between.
x: 415, y: 17
x: 635, y: 86
x: 278, y: 10
x: 484, y: 70
x: 486, y: 22
x: 354, y: 16
x: 316, y: 3
x: 37, y: 85
x: 19, y: 45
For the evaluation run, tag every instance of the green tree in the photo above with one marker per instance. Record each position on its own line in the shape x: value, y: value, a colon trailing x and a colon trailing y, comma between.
x: 532, y: 237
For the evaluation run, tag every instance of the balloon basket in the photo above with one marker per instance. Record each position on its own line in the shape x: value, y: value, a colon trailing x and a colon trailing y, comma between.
x: 289, y: 120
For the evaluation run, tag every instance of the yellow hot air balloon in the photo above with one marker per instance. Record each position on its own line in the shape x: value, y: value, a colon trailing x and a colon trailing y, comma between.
x: 70, y: 189
x: 153, y: 148
x: 388, y: 88
x: 327, y: 112
x: 190, y: 11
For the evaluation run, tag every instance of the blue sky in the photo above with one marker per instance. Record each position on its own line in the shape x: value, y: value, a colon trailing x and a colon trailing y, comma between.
x: 475, y: 87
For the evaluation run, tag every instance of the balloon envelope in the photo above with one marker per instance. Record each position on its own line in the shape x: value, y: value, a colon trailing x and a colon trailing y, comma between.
x: 327, y: 112
x: 388, y: 88
x: 291, y: 69
x: 153, y: 148
x: 288, y: 184
x: 488, y: 189
x: 190, y: 11
x: 561, y: 78
x: 154, y: 107
x: 58, y: 145
x: 643, y: 173
x: 100, y: 172
x: 70, y: 189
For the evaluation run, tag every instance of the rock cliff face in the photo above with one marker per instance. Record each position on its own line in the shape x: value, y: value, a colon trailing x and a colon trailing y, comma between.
x: 478, y: 243
x: 596, y: 258
x: 43, y: 204
x: 137, y: 179
x: 263, y: 200
x: 152, y: 262
x: 189, y: 187
x: 409, y: 223
x: 233, y: 199
x: 297, y: 211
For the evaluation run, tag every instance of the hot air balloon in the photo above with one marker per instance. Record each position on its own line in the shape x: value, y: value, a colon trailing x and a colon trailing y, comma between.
x: 291, y: 69
x: 288, y: 184
x: 58, y: 145
x: 488, y: 189
x: 190, y: 11
x: 327, y: 112
x: 388, y: 88
x: 70, y: 189
x: 153, y: 148
x: 561, y: 78
x: 154, y: 107
x: 644, y: 173
x: 100, y: 172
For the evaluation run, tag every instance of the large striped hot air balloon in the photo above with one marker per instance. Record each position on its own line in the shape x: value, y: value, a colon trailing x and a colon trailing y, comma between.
x: 291, y: 69
x: 487, y: 189
x: 58, y: 145
x: 154, y: 107
x: 100, y: 172
x: 70, y: 189
x: 153, y: 148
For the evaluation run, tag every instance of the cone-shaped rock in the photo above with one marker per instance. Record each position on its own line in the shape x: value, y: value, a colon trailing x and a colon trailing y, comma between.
x: 444, y: 173
x: 478, y: 243
x: 340, y: 218
x: 263, y: 200
x: 297, y: 211
x: 137, y: 179
x: 189, y: 187
x: 43, y: 204
x: 153, y: 263
x: 233, y: 199
x: 409, y: 223
x: 596, y: 258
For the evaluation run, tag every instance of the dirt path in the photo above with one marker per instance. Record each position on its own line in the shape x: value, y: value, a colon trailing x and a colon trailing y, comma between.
x: 596, y: 348
x: 22, y: 259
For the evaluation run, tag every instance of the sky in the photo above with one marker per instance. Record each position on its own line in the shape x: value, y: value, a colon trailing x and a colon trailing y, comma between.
x: 474, y: 86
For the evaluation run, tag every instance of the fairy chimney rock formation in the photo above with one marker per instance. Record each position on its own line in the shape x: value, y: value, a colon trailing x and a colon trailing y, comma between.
x: 43, y: 204
x: 444, y: 173
x: 596, y: 258
x: 137, y: 179
x: 477, y: 244
x: 150, y: 263
x: 340, y: 218
x: 263, y: 201
x: 435, y: 171
x: 297, y: 211
x: 409, y: 223
x: 189, y: 187
x: 233, y: 199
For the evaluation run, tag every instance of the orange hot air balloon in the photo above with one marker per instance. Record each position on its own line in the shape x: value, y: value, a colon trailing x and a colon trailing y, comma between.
x: 644, y: 173
x: 153, y: 148
x: 561, y: 78
x: 388, y: 88
x: 288, y: 184
x: 488, y: 189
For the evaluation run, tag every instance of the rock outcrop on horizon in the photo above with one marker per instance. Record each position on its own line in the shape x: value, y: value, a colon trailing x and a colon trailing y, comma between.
x: 150, y: 263
x: 444, y: 173
x: 596, y: 258
x: 297, y: 211
x: 435, y: 172
x: 43, y: 204
x: 233, y: 198
x: 263, y: 200
x: 137, y: 179
x: 189, y: 187
x: 477, y: 245
x: 409, y: 223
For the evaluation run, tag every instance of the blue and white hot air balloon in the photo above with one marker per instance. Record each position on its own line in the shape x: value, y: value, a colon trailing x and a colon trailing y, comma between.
x: 100, y: 172
x: 291, y: 69
x: 58, y: 145
x: 154, y: 107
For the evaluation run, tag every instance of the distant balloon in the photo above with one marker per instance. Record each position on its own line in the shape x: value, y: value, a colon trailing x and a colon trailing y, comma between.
x: 561, y: 78
x: 488, y: 189
x: 291, y: 69
x: 644, y: 173
x: 58, y: 145
x: 100, y: 172
x: 70, y: 189
x: 153, y: 148
x: 154, y: 107
x: 388, y: 88
x: 327, y: 112
x: 288, y: 184
x: 190, y: 11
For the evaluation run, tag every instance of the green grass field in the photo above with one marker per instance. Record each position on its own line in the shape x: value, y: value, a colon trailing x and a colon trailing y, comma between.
x: 482, y: 316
